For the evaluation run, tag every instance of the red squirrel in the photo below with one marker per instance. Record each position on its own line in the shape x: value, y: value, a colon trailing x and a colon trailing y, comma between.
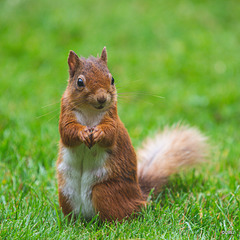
x: 98, y: 170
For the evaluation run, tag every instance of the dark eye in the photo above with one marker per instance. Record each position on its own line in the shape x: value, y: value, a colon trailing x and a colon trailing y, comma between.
x: 112, y: 81
x: 80, y: 82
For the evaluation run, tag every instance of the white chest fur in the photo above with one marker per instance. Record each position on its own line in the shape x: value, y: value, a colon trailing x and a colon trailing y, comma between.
x: 82, y: 168
x: 88, y: 118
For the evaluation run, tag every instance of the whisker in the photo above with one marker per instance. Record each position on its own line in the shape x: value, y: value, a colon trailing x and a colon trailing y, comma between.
x: 128, y: 99
x: 76, y: 105
x: 123, y: 100
x: 47, y: 113
x: 142, y: 93
x: 48, y: 105
x: 129, y: 96
x: 52, y: 117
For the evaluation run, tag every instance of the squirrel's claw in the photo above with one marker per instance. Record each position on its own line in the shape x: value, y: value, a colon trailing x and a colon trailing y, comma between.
x: 97, y: 135
x: 85, y: 137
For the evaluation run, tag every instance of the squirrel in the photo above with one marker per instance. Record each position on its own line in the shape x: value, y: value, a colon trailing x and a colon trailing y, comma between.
x: 98, y: 170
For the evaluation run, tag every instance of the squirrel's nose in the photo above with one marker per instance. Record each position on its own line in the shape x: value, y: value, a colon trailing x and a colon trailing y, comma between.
x: 101, y: 99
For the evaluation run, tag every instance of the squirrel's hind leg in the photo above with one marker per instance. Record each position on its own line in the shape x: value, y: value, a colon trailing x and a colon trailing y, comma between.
x: 65, y: 205
x: 115, y: 200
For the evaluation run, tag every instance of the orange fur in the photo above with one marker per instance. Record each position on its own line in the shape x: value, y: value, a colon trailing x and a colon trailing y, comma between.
x: 117, y: 199
x: 103, y: 177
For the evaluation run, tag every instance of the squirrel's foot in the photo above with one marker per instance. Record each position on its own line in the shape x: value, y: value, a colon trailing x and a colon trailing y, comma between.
x: 97, y: 135
x: 86, y: 137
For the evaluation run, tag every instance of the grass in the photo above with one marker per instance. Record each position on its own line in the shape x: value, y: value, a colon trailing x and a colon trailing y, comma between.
x: 186, y: 51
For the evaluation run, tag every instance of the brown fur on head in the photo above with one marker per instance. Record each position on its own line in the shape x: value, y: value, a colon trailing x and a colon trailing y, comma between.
x: 91, y: 85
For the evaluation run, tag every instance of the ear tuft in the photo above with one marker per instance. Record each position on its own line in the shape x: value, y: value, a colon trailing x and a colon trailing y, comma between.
x: 104, y: 55
x: 73, y: 62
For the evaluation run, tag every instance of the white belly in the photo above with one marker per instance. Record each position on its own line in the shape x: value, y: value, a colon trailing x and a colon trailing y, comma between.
x: 81, y: 169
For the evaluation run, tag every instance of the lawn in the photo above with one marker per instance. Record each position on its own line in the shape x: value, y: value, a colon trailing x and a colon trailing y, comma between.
x: 173, y: 61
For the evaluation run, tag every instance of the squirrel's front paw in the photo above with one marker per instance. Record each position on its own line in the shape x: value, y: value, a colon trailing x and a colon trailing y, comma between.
x: 97, y: 135
x: 86, y: 137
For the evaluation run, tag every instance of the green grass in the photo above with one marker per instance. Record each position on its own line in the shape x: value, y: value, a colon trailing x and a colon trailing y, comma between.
x: 186, y: 51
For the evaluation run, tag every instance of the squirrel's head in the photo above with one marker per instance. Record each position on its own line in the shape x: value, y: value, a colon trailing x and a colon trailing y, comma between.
x: 91, y: 85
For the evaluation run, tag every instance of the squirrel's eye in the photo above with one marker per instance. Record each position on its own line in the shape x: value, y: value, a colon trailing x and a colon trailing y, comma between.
x: 80, y: 82
x: 112, y: 81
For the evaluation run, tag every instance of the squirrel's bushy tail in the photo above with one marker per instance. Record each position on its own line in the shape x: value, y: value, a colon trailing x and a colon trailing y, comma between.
x: 169, y: 151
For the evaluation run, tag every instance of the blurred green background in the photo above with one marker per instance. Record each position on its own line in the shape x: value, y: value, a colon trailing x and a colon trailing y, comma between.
x: 184, y: 51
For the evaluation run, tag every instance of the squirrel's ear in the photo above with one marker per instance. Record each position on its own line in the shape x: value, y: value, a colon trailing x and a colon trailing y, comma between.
x: 73, y: 62
x: 104, y: 55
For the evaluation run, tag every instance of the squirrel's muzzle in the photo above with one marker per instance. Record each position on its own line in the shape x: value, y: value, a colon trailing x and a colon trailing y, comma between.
x: 101, y: 99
